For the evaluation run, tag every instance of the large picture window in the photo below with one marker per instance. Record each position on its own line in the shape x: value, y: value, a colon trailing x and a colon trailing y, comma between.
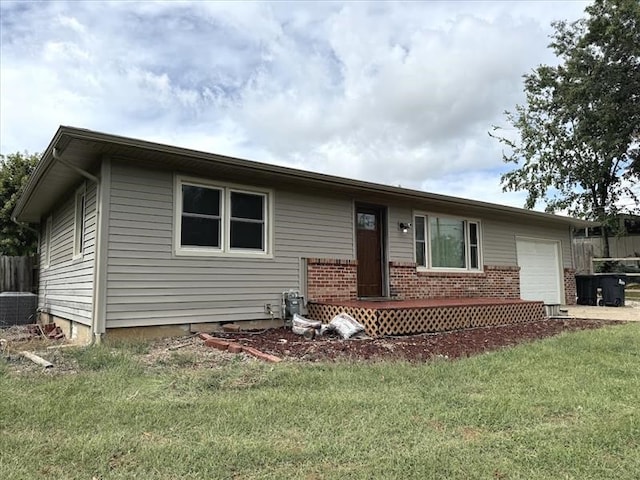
x: 446, y: 243
x: 217, y: 219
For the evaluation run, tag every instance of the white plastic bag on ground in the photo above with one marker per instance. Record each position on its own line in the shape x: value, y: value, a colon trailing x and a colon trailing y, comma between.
x: 301, y: 325
x: 325, y: 328
x: 346, y: 325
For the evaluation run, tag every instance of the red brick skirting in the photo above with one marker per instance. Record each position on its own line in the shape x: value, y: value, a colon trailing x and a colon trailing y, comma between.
x: 334, y: 280
x: 330, y: 279
x: 495, y: 281
x: 570, y: 286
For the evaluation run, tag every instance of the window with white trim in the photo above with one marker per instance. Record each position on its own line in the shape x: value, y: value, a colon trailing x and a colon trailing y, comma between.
x: 79, y: 222
x: 247, y: 220
x: 201, y: 217
x: 218, y: 219
x: 443, y: 242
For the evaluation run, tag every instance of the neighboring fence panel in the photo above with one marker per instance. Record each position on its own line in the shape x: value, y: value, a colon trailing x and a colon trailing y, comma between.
x: 628, y: 246
x: 587, y: 248
x: 18, y: 274
x: 584, y: 249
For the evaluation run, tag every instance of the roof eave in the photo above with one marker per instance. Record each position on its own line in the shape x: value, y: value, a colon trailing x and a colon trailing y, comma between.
x: 46, y: 159
x: 318, y: 178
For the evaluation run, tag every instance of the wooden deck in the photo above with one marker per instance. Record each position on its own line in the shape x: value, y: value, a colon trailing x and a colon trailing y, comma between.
x: 402, y: 317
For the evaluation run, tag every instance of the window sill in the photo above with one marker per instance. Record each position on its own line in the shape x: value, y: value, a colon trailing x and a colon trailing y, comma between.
x: 448, y: 271
x: 220, y: 254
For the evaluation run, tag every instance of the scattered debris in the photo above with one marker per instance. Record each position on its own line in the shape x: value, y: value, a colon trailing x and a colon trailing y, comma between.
x: 305, y: 327
x: 260, y: 354
x: 346, y: 326
x: 230, y: 327
x: 36, y: 359
x: 180, y: 345
x: 282, y: 342
x: 23, y: 340
x: 53, y: 331
x: 21, y: 333
x: 309, y: 333
x: 233, y: 347
x: 343, y: 324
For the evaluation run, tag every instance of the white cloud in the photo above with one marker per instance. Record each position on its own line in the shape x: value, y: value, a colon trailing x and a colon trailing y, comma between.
x: 72, y: 23
x: 477, y: 185
x: 394, y: 93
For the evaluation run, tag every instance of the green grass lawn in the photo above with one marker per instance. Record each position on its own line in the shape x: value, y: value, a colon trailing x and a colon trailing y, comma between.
x: 564, y: 408
x: 632, y: 292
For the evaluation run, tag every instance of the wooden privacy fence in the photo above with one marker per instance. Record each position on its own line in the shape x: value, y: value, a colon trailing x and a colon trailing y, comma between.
x: 18, y: 274
x: 585, y: 249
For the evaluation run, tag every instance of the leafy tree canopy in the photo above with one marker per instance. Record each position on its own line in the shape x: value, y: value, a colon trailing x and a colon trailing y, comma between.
x: 15, y: 169
x: 577, y: 140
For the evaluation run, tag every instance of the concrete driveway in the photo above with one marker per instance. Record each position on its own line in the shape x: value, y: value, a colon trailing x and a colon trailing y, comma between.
x: 630, y: 312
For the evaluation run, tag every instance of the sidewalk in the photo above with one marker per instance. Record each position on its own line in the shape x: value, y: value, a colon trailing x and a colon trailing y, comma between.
x: 630, y: 312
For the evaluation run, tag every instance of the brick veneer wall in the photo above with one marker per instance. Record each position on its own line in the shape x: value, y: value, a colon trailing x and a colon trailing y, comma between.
x: 330, y: 279
x: 495, y: 281
x: 334, y: 280
x: 570, y: 291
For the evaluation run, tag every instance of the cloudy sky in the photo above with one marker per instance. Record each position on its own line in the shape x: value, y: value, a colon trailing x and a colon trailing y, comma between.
x: 396, y: 93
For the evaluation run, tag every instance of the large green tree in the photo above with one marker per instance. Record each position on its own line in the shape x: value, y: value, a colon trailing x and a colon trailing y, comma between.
x: 576, y: 141
x: 15, y: 169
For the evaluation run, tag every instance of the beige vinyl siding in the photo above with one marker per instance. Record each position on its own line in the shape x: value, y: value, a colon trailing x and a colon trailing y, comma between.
x: 313, y: 226
x: 500, y: 240
x: 400, y: 244
x: 498, y: 236
x: 149, y: 285
x: 66, y: 285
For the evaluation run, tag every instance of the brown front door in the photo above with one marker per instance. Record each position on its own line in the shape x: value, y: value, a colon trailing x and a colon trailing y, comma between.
x: 369, y: 251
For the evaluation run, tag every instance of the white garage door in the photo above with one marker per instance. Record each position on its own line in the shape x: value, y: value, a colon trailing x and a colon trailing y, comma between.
x: 539, y: 263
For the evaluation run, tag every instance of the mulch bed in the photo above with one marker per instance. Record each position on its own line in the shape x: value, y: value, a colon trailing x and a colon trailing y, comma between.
x: 284, y: 343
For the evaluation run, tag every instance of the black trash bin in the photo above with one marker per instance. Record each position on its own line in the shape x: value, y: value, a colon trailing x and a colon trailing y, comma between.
x: 612, y: 286
x: 587, y: 289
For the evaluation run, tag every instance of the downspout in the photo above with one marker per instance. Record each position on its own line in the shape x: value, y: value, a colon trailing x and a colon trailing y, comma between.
x: 96, y: 337
x: 26, y: 226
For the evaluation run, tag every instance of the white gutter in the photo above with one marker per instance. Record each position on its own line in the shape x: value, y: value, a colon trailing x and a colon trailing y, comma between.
x: 26, y: 225
x: 66, y: 134
x: 96, y: 337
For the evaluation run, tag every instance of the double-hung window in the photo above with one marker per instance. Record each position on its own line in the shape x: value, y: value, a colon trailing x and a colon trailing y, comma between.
x: 219, y: 219
x: 201, y: 217
x: 247, y: 221
x: 443, y: 242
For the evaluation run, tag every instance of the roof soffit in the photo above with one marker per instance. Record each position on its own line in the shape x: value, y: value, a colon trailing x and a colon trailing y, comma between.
x: 86, y: 148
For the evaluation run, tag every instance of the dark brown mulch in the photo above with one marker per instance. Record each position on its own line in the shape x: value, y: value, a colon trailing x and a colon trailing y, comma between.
x: 463, y: 343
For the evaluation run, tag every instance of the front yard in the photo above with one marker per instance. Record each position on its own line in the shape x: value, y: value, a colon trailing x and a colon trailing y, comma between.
x: 564, y: 407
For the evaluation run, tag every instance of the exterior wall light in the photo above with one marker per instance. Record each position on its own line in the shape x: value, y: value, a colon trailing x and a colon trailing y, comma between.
x: 404, y: 226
